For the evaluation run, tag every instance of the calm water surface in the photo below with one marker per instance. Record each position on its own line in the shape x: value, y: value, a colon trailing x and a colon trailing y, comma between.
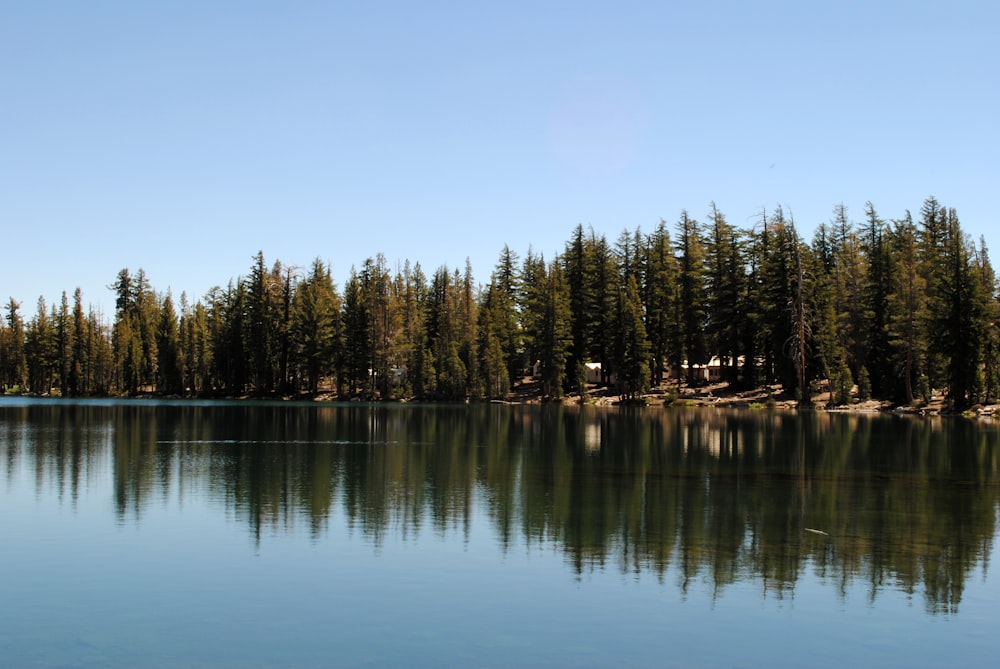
x: 257, y: 535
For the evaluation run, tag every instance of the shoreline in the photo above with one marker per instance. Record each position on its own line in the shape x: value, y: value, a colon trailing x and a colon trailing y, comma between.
x: 718, y: 395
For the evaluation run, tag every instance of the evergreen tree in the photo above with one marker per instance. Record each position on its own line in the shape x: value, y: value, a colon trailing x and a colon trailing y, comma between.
x: 907, y: 311
x: 284, y: 281
x: 693, y: 309
x: 41, y: 350
x: 316, y: 325
x: 505, y: 286
x: 357, y: 342
x: 263, y: 324
x: 197, y: 348
x: 100, y: 356
x: 798, y: 344
x: 227, y: 327
x: 849, y: 281
x: 421, y: 369
x: 145, y: 315
x: 170, y: 379
x: 548, y: 309
x: 628, y: 255
x: 991, y: 342
x: 81, y: 380
x: 875, y: 302
x: 776, y: 291
x: 379, y: 323
x: 899, y: 309
x: 13, y: 366
x: 468, y: 344
x: 932, y: 240
x: 830, y: 353
x: 134, y: 332
x: 631, y: 345
x: 961, y: 327
x: 724, y: 279
x: 66, y: 336
x: 659, y: 293
x: 444, y: 332
x: 577, y: 267
x: 604, y: 282
x: 493, y: 368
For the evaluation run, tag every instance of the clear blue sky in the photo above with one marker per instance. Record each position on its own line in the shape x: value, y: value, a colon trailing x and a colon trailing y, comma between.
x: 183, y: 137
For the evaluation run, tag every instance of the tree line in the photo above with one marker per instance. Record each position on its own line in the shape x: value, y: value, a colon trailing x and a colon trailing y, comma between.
x: 893, y: 308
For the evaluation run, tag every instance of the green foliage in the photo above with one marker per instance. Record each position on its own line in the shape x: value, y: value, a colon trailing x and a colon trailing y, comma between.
x: 902, y: 307
x: 842, y: 385
x: 547, y: 322
x: 13, y: 364
x: 41, y: 351
x: 660, y: 299
x: 631, y: 357
x: 692, y: 301
x: 315, y: 326
x: 725, y: 281
x: 170, y: 377
x: 864, y: 385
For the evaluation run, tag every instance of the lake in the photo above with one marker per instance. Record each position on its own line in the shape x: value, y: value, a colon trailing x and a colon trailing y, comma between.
x: 246, y: 534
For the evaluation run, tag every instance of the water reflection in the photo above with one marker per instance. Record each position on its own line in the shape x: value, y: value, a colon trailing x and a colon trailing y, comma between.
x: 717, y: 497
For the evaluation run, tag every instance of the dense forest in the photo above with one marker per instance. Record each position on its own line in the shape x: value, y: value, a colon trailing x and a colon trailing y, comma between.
x: 884, y: 308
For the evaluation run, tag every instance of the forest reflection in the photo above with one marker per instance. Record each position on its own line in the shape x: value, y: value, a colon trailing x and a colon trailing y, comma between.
x: 705, y: 496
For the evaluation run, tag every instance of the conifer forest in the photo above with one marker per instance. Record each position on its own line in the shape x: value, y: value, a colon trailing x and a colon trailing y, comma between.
x: 892, y: 308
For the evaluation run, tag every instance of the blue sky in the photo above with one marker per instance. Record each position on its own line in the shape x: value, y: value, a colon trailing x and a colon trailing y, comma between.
x: 183, y: 137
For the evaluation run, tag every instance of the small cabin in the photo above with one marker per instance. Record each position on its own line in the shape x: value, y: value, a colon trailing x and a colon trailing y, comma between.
x: 593, y: 371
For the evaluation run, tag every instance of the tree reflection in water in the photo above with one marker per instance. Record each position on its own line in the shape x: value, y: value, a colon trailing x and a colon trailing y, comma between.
x: 703, y: 495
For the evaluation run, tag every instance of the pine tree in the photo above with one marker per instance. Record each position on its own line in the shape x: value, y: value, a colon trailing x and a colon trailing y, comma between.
x: 604, y: 282
x: 875, y: 302
x: 725, y: 279
x: 134, y: 332
x: 492, y: 361
x: 13, y: 370
x: 693, y: 309
x: 962, y: 325
x: 468, y: 344
x: 41, y: 350
x: 285, y: 281
x: 932, y: 240
x: 100, y: 356
x: 380, y: 323
x: 776, y: 290
x: 829, y: 352
x: 170, y: 379
x: 197, y: 346
x: 801, y: 336
x: 659, y: 293
x: 631, y: 345
x: 145, y: 315
x: 991, y: 343
x: 66, y: 336
x: 315, y: 325
x: 553, y: 336
x: 357, y: 342
x: 907, y: 310
x: 446, y: 335
x: 263, y: 335
x: 505, y: 287
x: 417, y: 356
x: 80, y: 373
x: 227, y: 326
x: 849, y: 271
x: 576, y: 269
